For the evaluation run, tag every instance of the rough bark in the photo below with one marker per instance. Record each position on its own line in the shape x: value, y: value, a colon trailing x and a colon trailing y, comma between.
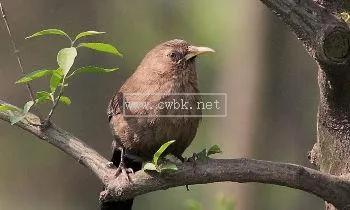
x: 327, y: 40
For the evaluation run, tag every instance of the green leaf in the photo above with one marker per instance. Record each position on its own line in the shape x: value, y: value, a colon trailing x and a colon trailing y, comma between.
x: 150, y: 167
x: 168, y: 167
x: 7, y: 108
x: 65, y: 59
x: 27, y: 106
x: 87, y: 33
x: 202, y: 155
x: 91, y: 69
x: 42, y: 96
x: 16, y: 118
x: 101, y: 47
x: 49, y: 32
x: 214, y: 150
x: 34, y: 75
x: 345, y: 16
x: 56, y: 79
x: 161, y: 150
x: 65, y: 100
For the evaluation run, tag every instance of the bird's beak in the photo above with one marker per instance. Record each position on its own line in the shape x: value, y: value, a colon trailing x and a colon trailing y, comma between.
x: 194, y: 51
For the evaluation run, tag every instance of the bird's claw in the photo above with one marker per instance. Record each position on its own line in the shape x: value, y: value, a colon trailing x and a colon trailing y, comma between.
x: 110, y: 165
x: 103, y: 194
x: 193, y: 158
x: 129, y: 170
x: 122, y: 169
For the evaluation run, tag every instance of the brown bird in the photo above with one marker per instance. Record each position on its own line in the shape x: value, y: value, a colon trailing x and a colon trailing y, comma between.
x: 165, y: 76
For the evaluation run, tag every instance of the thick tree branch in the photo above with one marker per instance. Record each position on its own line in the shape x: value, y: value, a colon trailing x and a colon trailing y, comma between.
x: 320, y: 30
x: 327, y: 187
x: 330, y: 188
x: 65, y: 141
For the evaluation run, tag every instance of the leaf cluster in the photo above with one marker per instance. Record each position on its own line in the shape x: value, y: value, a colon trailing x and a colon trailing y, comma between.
x: 59, y: 77
x: 206, y: 153
x: 160, y: 165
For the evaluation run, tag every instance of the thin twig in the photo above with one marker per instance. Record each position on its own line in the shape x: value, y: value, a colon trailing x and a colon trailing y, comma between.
x: 48, y: 118
x: 16, y: 51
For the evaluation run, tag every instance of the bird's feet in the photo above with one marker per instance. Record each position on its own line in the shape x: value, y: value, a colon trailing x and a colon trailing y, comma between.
x: 110, y: 165
x: 122, y: 169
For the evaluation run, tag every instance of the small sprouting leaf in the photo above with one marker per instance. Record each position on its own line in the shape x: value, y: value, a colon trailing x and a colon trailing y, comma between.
x: 205, y: 153
x: 7, y: 108
x: 103, y: 47
x: 65, y: 100
x: 16, y: 118
x: 65, y: 59
x: 87, y: 33
x: 161, y: 150
x: 91, y: 69
x: 150, y: 167
x: 168, y: 167
x: 201, y: 155
x: 34, y: 75
x: 49, y: 32
x: 345, y: 16
x: 42, y: 96
x: 213, y: 150
x: 27, y: 106
x: 56, y: 79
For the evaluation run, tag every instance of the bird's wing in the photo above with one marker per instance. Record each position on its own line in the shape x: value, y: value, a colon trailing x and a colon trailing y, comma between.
x: 115, y: 105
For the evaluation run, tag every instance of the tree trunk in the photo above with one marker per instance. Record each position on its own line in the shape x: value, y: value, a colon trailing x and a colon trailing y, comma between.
x: 332, y: 150
x: 327, y: 39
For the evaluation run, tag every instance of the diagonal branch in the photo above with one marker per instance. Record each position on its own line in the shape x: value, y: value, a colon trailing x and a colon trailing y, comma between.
x: 328, y: 187
x: 64, y: 141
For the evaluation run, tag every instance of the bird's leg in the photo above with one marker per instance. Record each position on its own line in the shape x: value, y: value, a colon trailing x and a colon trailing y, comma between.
x: 122, y: 169
x: 182, y: 159
x: 192, y: 160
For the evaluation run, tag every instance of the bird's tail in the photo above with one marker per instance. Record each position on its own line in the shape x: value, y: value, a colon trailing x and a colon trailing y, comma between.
x: 129, y: 163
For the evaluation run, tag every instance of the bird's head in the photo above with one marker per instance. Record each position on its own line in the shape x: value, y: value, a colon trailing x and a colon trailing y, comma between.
x: 175, y: 56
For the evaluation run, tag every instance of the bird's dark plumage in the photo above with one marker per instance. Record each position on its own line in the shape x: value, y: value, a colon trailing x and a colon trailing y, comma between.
x: 167, y: 69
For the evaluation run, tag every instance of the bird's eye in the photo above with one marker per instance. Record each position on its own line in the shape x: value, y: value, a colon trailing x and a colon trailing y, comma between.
x: 175, y: 56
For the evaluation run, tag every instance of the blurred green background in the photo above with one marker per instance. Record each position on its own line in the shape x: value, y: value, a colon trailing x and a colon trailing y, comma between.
x: 268, y: 77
